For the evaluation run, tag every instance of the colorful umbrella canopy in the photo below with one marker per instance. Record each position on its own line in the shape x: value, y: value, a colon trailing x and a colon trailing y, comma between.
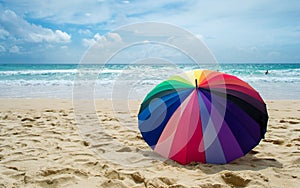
x: 203, y: 116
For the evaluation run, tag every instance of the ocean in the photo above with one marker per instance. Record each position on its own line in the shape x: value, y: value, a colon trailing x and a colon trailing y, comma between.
x: 135, y: 81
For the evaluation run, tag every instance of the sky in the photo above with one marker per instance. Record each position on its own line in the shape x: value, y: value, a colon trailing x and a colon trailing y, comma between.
x: 258, y: 31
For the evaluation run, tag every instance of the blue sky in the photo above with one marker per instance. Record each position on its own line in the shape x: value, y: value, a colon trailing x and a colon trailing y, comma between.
x: 235, y: 31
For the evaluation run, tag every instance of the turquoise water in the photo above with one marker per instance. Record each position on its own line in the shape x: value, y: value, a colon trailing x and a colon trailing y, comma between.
x: 56, y: 81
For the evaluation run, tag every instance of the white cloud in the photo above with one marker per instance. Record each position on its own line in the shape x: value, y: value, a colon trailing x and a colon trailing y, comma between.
x: 61, y: 36
x: 20, y: 29
x: 64, y: 47
x: 3, y: 33
x: 84, y: 32
x: 199, y: 36
x: 114, y: 37
x: 97, y: 37
x: 102, y: 40
x: 2, y: 48
x: 88, y: 42
x: 66, y: 11
x: 15, y: 49
x: 49, y: 36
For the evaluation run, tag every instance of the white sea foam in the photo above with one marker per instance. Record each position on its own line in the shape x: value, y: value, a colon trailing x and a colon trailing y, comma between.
x: 58, y: 81
x: 36, y: 72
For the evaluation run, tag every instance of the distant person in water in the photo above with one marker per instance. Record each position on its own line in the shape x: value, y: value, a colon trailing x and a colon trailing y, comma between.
x: 267, y: 72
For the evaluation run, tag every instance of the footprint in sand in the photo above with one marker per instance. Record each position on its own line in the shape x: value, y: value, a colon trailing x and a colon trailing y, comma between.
x: 113, y: 174
x: 125, y: 149
x: 234, y: 179
x: 296, y: 139
x: 274, y: 141
x: 113, y: 183
x: 293, y: 122
x: 160, y: 182
x: 50, y: 110
x: 290, y: 122
x: 253, y: 152
x: 137, y: 177
x: 27, y: 119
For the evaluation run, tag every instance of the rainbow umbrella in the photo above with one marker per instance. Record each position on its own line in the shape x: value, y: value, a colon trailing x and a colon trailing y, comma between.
x: 203, y: 116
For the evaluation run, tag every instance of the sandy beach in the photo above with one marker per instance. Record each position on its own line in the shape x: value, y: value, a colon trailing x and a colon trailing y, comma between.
x: 41, y: 146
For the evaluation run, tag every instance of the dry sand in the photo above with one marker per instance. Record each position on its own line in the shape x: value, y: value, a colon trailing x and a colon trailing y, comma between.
x: 40, y: 146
